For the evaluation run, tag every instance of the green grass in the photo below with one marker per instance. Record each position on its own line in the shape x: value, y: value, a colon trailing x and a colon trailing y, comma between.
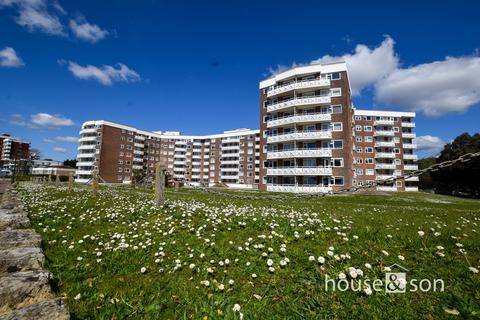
x: 76, y: 224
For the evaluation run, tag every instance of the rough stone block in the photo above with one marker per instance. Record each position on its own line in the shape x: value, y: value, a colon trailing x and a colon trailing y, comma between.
x: 21, y: 259
x: 19, y: 238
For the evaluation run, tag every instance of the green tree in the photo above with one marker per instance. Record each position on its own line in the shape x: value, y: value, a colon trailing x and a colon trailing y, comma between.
x: 70, y: 163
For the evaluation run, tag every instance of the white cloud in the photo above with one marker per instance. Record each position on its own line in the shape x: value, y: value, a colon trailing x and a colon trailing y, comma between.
x: 105, y: 74
x: 18, y: 120
x: 437, y: 88
x: 48, y: 120
x: 429, y: 144
x: 37, y: 15
x: 48, y: 140
x: 86, y: 31
x: 366, y: 66
x: 9, y: 58
x: 67, y: 139
x: 59, y: 150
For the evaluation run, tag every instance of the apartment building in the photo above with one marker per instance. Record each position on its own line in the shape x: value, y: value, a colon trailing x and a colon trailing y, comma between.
x: 115, y: 151
x: 384, y: 147
x: 12, y: 151
x: 306, y: 129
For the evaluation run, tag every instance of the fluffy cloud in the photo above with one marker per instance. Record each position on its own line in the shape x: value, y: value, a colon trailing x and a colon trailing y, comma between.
x: 429, y: 144
x: 37, y: 15
x: 67, y: 139
x: 437, y: 88
x: 9, y: 58
x: 46, y: 16
x: 59, y: 150
x: 105, y: 74
x: 40, y: 120
x: 367, y: 66
x: 86, y: 31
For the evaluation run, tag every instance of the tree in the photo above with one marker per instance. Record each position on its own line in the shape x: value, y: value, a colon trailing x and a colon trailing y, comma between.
x: 70, y: 163
x: 138, y: 176
x: 35, y: 154
x: 426, y: 182
x: 463, y: 178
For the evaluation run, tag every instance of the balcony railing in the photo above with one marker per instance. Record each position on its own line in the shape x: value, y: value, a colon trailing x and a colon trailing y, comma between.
x: 300, y: 135
x: 388, y: 155
x: 408, y: 124
x: 298, y: 188
x: 88, y: 130
x: 88, y: 138
x: 299, y: 118
x: 299, y: 171
x: 388, y: 166
x: 384, y: 144
x: 409, y: 146
x: 410, y: 167
x: 298, y: 102
x: 383, y: 123
x: 298, y: 85
x: 386, y: 133
x: 410, y: 156
x: 85, y: 164
x: 409, y: 135
x: 300, y: 153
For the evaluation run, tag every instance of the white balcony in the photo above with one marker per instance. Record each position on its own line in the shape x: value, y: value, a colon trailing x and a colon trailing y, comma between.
x: 384, y: 144
x: 85, y: 164
x: 179, y: 163
x: 300, y: 135
x: 412, y: 179
x: 300, y: 118
x: 88, y: 139
x: 139, y: 152
x: 409, y: 135
x: 139, y: 138
x: 410, y: 167
x: 138, y: 145
x: 231, y: 140
x: 231, y: 154
x: 298, y: 188
x: 306, y: 84
x: 298, y: 102
x: 83, y: 172
x: 386, y: 166
x: 178, y: 176
x: 386, y: 188
x: 197, y: 156
x: 409, y: 146
x: 411, y: 189
x: 384, y: 176
x: 87, y: 147
x: 410, y: 156
x: 85, y: 155
x: 231, y: 147
x: 88, y: 130
x: 195, y: 176
x: 300, y: 153
x: 229, y: 169
x: 385, y: 155
x: 180, y: 149
x: 137, y: 167
x: 384, y: 133
x: 383, y: 123
x: 300, y: 171
x: 408, y: 124
x: 226, y: 162
x: 137, y: 159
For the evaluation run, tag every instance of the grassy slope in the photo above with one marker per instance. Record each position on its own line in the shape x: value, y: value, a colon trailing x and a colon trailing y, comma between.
x: 115, y: 288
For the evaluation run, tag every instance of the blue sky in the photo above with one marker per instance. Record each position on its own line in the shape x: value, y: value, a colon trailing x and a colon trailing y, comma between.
x: 195, y: 66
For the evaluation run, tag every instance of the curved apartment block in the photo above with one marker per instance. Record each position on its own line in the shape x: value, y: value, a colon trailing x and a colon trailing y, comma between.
x: 311, y: 139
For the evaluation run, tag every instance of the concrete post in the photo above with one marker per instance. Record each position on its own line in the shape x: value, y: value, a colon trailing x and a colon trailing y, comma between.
x: 95, y: 184
x: 159, y: 186
x: 57, y: 179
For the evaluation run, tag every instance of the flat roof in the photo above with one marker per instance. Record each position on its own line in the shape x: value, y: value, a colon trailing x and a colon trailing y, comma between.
x: 383, y: 113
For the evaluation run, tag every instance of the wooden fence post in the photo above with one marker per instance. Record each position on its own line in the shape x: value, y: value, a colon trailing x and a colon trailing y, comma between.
x: 159, y: 186
x: 70, y: 181
x: 95, y: 183
x: 57, y: 179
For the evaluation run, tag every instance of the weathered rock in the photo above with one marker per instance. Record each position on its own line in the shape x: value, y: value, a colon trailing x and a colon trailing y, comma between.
x: 7, y: 205
x: 19, y: 238
x: 46, y: 310
x: 13, y: 220
x: 21, y: 259
x: 23, y: 289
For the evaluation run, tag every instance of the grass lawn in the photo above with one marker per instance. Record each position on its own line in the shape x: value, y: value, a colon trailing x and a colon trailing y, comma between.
x: 115, y: 256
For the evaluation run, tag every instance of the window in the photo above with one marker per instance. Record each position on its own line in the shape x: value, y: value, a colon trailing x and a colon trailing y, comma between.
x: 369, y: 172
x: 336, y: 92
x: 396, y: 129
x: 369, y: 150
x: 336, y: 162
x: 337, y: 108
x: 399, y: 183
x: 367, y: 128
x: 397, y: 162
x: 359, y: 149
x: 337, y: 126
x: 335, y: 76
x: 337, y: 144
x: 367, y: 118
x: 358, y: 128
x: 120, y: 161
x: 358, y: 118
x: 359, y: 160
x: 336, y: 181
x: 369, y: 160
x: 368, y: 139
x: 396, y: 150
x: 359, y: 172
x: 358, y: 139
x: 120, y: 170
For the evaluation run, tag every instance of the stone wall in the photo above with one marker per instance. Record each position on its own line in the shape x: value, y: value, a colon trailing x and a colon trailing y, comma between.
x: 25, y: 291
